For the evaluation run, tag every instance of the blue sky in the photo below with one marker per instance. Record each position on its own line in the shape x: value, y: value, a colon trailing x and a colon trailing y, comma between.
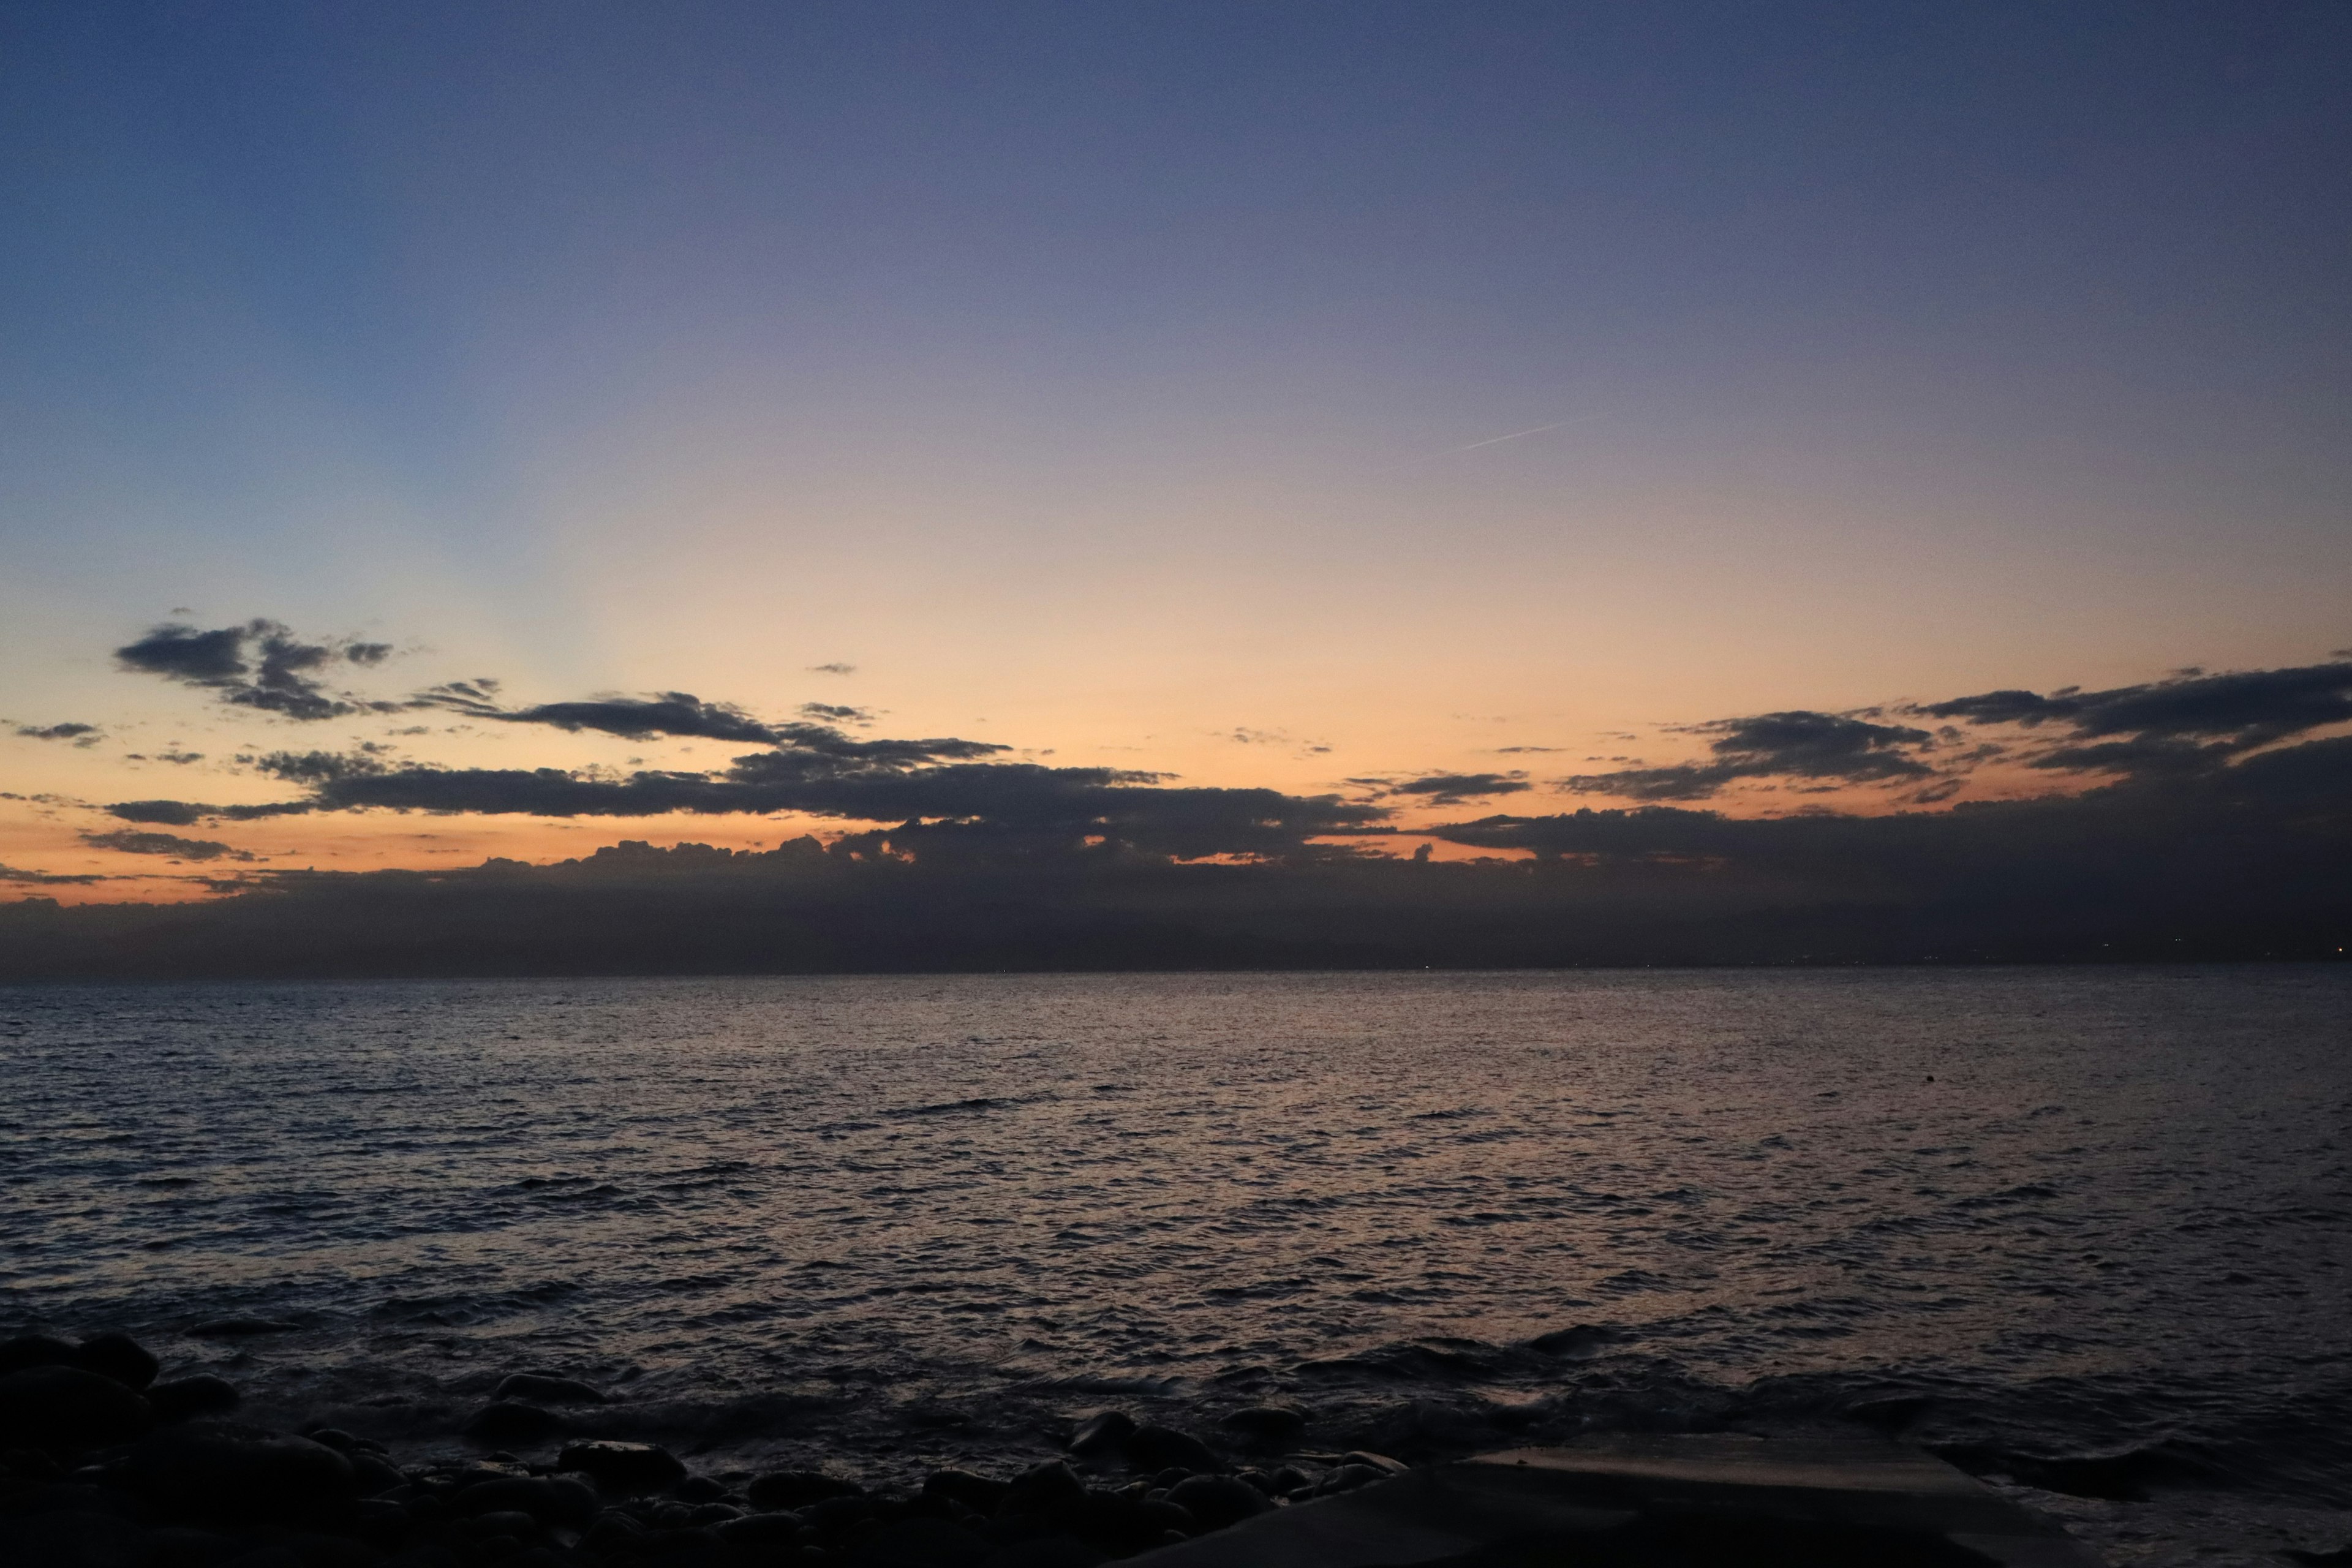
x: 1100, y: 376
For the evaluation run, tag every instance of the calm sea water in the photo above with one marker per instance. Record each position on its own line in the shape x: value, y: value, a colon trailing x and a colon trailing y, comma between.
x: 2076, y: 1210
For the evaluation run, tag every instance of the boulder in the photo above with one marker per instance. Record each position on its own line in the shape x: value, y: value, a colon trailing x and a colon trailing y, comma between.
x: 511, y: 1421
x: 1101, y: 1434
x: 119, y: 1357
x: 219, y: 1473
x: 33, y: 1350
x: 1271, y: 1425
x: 1155, y: 1447
x: 759, y: 1531
x: 798, y: 1488
x: 1048, y: 1491
x: 1218, y: 1501
x: 181, y: 1398
x: 623, y: 1467
x: 63, y: 1409
x: 977, y: 1493
x: 552, y: 1500
x: 922, y: 1543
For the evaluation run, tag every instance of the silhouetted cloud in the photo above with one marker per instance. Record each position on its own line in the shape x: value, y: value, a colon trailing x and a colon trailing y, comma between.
x: 260, y: 664
x: 45, y: 879
x: 2190, y: 720
x: 79, y: 734
x: 1798, y: 745
x: 1453, y: 789
x: 130, y: 841
x: 679, y: 713
x: 836, y: 713
x: 187, y: 813
x: 832, y: 669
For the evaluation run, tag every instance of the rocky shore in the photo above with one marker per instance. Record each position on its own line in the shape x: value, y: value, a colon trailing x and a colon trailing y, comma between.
x: 106, y: 1464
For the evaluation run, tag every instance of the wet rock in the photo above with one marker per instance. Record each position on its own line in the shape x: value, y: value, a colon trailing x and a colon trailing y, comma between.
x: 977, y: 1493
x: 183, y: 1546
x: 1045, y: 1552
x: 63, y: 1409
x: 218, y: 1473
x: 1379, y: 1462
x: 1218, y: 1501
x: 923, y: 1543
x: 33, y: 1350
x: 836, y: 1513
x: 763, y: 1531
x: 181, y: 1398
x: 1048, y: 1491
x: 699, y: 1489
x: 1155, y: 1447
x: 1102, y: 1434
x: 119, y: 1357
x: 623, y: 1467
x: 240, y: 1328
x: 553, y: 1500
x: 1289, y: 1479
x: 511, y: 1421
x: 1269, y: 1424
x: 73, y: 1540
x: 798, y: 1488
x: 540, y: 1388
x: 1348, y: 1477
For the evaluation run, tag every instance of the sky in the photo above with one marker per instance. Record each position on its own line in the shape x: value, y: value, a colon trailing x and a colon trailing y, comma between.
x: 1314, y: 398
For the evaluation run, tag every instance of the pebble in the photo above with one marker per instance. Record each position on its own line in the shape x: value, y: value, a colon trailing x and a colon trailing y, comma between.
x: 797, y: 1489
x: 1268, y: 1424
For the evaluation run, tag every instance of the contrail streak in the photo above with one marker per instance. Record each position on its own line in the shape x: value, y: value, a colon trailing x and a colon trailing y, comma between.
x: 1496, y: 440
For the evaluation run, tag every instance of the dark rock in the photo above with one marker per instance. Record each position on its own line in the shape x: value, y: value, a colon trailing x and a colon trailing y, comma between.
x: 1218, y: 1501
x: 182, y: 1546
x: 623, y: 1467
x: 63, y: 1409
x: 1379, y: 1462
x: 1157, y: 1447
x: 508, y: 1421
x: 977, y: 1493
x: 373, y: 1474
x: 33, y: 1350
x: 798, y: 1488
x: 1045, y: 1552
x: 1047, y: 1490
x: 699, y: 1489
x: 1271, y: 1425
x: 538, y: 1388
x: 923, y: 1543
x: 240, y: 1328
x: 1289, y: 1480
x: 200, y: 1394
x: 1348, y: 1477
x: 219, y: 1473
x: 836, y: 1513
x: 1101, y: 1434
x: 762, y: 1530
x: 552, y: 1500
x: 119, y: 1357
x: 72, y: 1539
x: 713, y: 1513
x: 1890, y: 1414
x: 513, y: 1523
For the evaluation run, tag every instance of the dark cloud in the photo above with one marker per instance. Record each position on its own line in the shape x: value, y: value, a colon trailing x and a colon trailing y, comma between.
x: 679, y: 713
x: 45, y: 879
x: 79, y: 734
x: 2189, y: 719
x: 260, y: 664
x: 1454, y: 789
x: 832, y: 669
x: 187, y: 813
x: 130, y: 841
x: 1820, y: 747
x: 836, y: 713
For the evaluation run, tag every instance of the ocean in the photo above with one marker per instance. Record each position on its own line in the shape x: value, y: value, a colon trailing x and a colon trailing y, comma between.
x: 2033, y: 1218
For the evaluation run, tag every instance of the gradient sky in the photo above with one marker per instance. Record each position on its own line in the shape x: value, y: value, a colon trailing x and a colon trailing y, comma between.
x: 1123, y: 383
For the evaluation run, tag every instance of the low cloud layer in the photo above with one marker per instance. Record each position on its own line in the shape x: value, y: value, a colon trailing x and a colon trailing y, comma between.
x: 1822, y: 748
x: 129, y: 841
